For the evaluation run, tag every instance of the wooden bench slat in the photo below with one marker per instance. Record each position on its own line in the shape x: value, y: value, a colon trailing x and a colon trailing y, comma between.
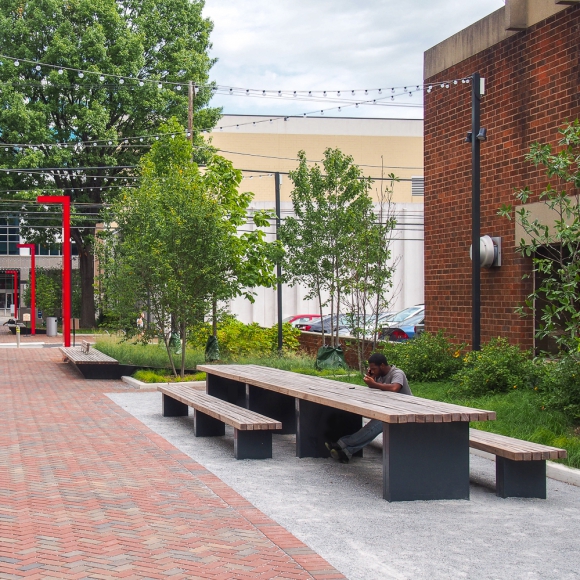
x: 511, y: 448
x: 238, y: 417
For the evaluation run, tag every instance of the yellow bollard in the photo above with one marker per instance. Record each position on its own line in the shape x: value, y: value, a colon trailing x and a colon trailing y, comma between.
x: 17, y: 336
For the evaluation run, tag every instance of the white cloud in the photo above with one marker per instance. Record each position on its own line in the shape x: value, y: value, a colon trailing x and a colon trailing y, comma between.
x: 329, y: 45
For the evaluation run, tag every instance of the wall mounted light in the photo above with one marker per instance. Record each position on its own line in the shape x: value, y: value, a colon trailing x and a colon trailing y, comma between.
x: 482, y: 135
x: 489, y: 252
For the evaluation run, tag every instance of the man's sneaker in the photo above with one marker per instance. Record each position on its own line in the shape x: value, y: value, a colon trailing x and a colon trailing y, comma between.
x: 339, y: 455
x: 330, y: 446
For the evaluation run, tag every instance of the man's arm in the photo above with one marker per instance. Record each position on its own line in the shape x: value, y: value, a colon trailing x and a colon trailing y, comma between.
x: 393, y: 387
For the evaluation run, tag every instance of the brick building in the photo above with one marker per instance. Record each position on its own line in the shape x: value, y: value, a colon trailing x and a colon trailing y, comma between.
x: 528, y: 52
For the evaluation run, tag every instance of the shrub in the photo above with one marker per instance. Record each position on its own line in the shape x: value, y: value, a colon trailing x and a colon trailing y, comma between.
x: 561, y: 386
x: 237, y: 339
x: 428, y: 357
x: 498, y: 367
x: 148, y: 376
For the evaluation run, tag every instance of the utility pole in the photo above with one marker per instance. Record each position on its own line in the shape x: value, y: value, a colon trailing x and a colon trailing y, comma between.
x: 475, y: 213
x: 279, y: 264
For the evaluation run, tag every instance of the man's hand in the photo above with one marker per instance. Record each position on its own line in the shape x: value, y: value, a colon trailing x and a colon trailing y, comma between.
x: 370, y: 382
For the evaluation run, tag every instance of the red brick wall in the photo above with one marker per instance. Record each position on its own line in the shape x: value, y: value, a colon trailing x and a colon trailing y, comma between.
x: 532, y: 88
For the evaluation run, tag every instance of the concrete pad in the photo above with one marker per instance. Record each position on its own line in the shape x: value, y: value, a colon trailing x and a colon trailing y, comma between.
x: 339, y: 512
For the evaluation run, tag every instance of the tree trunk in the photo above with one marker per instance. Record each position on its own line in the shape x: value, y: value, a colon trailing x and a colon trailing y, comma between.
x: 319, y: 293
x: 183, y: 342
x: 87, y: 271
x: 214, y: 317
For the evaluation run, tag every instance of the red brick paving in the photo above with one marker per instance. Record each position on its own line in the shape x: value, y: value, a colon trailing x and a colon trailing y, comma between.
x: 87, y: 491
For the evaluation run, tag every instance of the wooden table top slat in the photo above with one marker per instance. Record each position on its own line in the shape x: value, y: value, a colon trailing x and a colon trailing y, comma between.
x: 78, y: 356
x: 238, y: 417
x: 514, y: 449
x: 372, y: 403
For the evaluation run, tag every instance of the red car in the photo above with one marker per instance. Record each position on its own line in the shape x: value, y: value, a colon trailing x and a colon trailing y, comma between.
x: 302, y: 321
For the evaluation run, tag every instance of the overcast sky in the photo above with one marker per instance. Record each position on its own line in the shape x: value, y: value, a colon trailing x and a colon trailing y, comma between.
x: 330, y: 45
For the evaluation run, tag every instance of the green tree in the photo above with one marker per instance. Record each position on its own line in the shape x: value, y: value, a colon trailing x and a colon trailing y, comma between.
x: 332, y: 206
x: 49, y: 292
x: 554, y: 244
x: 369, y: 271
x: 176, y: 241
x: 143, y: 41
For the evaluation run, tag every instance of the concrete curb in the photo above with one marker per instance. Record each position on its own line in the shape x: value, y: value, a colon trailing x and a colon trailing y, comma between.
x: 22, y: 345
x: 200, y: 385
x: 555, y: 471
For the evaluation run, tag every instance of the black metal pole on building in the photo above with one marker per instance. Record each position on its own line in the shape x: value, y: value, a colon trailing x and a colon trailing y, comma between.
x: 475, y: 214
x: 279, y: 265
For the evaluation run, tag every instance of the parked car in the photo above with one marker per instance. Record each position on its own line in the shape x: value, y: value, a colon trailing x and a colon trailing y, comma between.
x: 405, y: 330
x: 331, y: 325
x: 402, y: 315
x: 302, y: 321
x: 381, y: 320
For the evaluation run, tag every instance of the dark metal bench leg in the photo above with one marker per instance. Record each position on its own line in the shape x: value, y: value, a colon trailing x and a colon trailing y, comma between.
x: 274, y: 405
x: 206, y: 426
x: 424, y: 461
x: 520, y: 478
x: 252, y: 444
x: 173, y: 407
x: 227, y: 390
x: 318, y: 423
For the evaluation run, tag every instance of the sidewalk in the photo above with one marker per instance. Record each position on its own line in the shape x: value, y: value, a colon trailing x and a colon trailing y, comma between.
x: 88, y: 491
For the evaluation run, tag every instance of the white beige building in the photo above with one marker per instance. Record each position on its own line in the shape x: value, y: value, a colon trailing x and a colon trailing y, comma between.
x: 262, y: 145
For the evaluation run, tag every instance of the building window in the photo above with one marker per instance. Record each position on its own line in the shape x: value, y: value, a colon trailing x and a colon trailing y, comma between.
x: 418, y: 185
x: 9, y: 237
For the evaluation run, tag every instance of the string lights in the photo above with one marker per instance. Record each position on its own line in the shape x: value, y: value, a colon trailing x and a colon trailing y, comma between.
x: 219, y: 89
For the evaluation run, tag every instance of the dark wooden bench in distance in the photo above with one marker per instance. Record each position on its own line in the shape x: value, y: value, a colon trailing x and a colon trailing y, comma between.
x: 252, y: 431
x: 91, y: 363
x: 520, y: 468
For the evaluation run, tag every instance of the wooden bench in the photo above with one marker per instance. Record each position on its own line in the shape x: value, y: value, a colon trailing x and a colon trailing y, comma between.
x: 426, y: 443
x: 79, y: 356
x: 92, y: 363
x: 520, y: 465
x: 252, y: 431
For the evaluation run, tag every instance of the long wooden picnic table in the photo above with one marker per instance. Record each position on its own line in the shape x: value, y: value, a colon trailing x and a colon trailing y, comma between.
x: 425, y: 443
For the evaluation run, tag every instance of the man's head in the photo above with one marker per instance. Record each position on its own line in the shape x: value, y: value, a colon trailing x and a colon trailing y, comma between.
x: 378, y: 365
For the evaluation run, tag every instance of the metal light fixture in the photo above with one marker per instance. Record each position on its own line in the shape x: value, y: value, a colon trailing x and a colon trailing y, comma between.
x: 482, y: 135
x: 469, y: 137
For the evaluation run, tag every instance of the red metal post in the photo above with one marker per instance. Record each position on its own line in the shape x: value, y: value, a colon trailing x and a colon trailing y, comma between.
x: 15, y: 275
x: 64, y: 200
x: 32, y: 249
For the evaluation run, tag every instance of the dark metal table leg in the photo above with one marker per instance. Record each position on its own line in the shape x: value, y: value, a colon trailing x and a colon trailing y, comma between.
x: 425, y: 461
x: 520, y: 478
x: 226, y: 389
x: 252, y: 444
x: 206, y: 426
x: 274, y: 405
x: 318, y: 423
x: 173, y: 408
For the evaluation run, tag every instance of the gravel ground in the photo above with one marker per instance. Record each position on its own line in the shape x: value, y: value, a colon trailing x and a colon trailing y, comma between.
x: 339, y: 512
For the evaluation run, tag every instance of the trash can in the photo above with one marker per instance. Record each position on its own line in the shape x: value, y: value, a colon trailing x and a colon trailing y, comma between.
x: 51, y: 326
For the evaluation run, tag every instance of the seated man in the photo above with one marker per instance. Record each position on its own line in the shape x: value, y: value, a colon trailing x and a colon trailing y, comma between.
x: 385, y: 377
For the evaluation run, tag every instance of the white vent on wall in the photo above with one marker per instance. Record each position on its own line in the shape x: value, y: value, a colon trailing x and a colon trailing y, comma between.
x: 417, y: 185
